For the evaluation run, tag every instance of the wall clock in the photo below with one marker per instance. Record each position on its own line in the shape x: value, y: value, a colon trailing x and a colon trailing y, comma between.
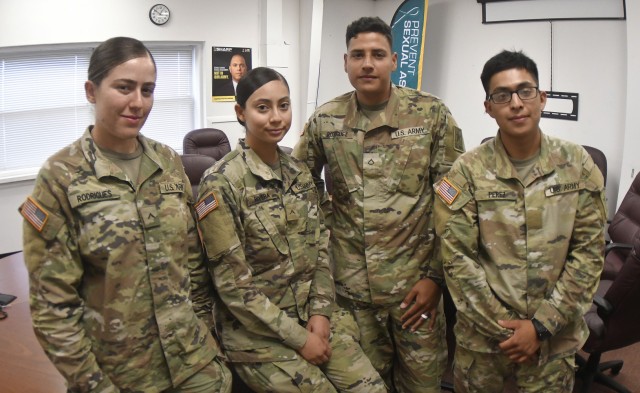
x: 159, y: 14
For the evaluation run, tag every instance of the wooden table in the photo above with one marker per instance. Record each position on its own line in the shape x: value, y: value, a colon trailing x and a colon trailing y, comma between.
x: 24, y: 368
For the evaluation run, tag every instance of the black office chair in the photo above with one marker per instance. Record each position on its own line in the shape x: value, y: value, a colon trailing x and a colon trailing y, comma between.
x: 624, y: 227
x: 600, y: 160
x: 194, y: 166
x: 210, y: 142
x: 614, y: 322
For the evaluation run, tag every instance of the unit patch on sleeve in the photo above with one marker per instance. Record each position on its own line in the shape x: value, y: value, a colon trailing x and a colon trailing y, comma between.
x: 447, y: 191
x: 206, y: 205
x: 34, y: 213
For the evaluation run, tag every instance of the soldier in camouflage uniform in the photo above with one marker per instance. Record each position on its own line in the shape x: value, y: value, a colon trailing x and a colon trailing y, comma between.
x: 112, y: 249
x: 521, y: 219
x: 385, y: 146
x: 263, y: 233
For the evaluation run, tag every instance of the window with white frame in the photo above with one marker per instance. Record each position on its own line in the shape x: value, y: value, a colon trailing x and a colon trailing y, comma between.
x: 43, y: 106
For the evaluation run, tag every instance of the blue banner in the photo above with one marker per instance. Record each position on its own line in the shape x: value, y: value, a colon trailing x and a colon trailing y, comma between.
x: 408, y: 27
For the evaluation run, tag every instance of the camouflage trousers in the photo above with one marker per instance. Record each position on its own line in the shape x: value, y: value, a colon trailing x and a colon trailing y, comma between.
x: 214, y: 377
x: 409, y: 362
x: 348, y: 369
x: 486, y: 372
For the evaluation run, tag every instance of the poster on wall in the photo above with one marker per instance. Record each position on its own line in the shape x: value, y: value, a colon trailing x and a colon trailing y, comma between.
x: 229, y: 65
x: 408, y: 27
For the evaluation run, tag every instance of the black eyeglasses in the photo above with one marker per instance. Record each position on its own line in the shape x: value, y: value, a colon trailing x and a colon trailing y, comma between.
x: 3, y: 314
x: 504, y: 96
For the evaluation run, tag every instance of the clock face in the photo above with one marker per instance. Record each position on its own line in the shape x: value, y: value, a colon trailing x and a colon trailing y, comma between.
x: 159, y: 14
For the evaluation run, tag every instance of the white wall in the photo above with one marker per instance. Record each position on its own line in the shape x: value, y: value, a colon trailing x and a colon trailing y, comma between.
x: 630, y: 157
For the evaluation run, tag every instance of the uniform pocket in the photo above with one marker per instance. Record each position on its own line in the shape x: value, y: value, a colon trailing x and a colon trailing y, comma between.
x: 343, y: 165
x: 498, y: 210
x: 415, y: 168
x: 104, y: 225
x: 271, y: 229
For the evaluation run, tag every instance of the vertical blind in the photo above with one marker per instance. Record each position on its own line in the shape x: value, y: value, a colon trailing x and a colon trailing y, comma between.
x: 43, y: 106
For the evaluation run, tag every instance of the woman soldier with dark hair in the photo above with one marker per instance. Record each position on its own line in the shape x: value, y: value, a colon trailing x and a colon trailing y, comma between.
x: 267, y: 248
x: 115, y: 264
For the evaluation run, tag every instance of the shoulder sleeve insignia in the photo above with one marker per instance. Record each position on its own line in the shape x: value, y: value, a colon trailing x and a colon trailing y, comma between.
x: 34, y: 213
x: 447, y: 191
x: 206, y: 205
x: 458, y: 140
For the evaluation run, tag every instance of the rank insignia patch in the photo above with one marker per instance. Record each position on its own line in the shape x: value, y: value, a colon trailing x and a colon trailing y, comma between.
x: 447, y: 191
x: 206, y: 206
x: 35, y: 214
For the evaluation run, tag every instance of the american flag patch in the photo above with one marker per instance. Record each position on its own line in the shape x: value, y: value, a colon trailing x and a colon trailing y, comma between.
x: 206, y: 205
x: 447, y: 191
x: 35, y: 214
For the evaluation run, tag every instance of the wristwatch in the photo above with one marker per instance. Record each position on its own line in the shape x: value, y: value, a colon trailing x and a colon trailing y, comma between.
x: 541, y: 331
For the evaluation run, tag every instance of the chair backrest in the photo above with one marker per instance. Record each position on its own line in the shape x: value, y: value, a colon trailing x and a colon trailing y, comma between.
x: 624, y: 227
x: 600, y: 160
x: 210, y: 142
x: 194, y: 166
x: 621, y: 327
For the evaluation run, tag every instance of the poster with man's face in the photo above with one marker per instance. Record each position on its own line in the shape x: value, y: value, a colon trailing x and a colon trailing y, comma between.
x: 229, y: 65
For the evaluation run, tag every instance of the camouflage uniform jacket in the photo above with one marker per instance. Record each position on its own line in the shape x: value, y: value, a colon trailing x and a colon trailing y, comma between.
x: 526, y: 249
x: 111, y: 268
x: 266, y: 244
x: 382, y: 229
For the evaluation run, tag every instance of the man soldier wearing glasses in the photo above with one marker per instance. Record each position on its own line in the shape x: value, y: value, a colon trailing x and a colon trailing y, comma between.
x: 521, y: 220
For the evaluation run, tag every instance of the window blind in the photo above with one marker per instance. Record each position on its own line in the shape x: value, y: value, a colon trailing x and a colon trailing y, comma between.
x: 43, y: 105
x: 174, y: 108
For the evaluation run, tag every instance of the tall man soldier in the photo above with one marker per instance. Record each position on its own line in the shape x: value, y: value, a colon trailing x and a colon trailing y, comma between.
x: 385, y: 146
x: 521, y: 220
